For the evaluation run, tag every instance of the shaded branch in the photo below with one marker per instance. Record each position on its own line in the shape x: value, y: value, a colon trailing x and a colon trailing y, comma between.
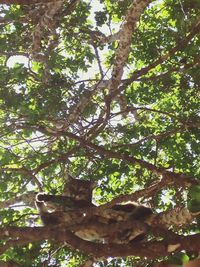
x: 150, y: 250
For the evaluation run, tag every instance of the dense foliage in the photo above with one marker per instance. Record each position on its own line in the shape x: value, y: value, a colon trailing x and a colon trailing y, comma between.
x: 106, y: 91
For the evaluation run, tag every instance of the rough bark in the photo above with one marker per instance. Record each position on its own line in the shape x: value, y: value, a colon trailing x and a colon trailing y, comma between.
x: 150, y: 249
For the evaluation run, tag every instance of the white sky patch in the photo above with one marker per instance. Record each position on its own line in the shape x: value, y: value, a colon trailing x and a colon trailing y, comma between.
x: 166, y: 197
x: 96, y: 6
x: 17, y: 59
x: 156, y: 3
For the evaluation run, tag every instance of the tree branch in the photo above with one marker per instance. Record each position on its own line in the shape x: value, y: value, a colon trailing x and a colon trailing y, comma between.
x: 150, y: 250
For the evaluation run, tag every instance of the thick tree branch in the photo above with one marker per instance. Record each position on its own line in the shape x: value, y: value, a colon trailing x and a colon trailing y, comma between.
x: 125, y: 38
x: 149, y: 249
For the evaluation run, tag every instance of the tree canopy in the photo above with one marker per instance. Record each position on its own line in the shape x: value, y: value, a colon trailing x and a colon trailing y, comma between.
x: 99, y: 107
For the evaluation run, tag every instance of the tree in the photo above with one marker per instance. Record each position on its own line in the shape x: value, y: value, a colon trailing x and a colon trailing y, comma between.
x: 103, y: 113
